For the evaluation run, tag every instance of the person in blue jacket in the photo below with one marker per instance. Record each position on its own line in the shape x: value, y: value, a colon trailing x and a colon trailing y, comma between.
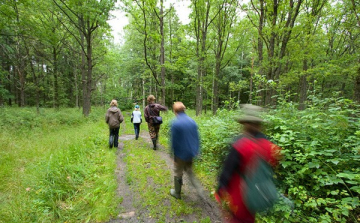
x: 185, y: 145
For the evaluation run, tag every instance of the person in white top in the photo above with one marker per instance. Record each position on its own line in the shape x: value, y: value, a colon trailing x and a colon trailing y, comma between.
x: 136, y: 120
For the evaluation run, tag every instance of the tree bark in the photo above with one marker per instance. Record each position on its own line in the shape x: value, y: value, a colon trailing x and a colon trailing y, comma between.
x: 36, y: 82
x: 56, y: 82
x: 303, y: 86
x: 357, y: 86
x: 88, y: 82
x: 76, y: 87
x: 162, y: 53
x: 357, y: 77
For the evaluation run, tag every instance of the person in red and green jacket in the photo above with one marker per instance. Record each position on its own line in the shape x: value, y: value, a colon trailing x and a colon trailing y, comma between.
x: 241, y: 156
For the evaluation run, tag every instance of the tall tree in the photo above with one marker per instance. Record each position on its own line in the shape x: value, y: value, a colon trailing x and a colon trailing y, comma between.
x: 275, y: 23
x: 223, y: 29
x: 202, y: 18
x: 86, y: 17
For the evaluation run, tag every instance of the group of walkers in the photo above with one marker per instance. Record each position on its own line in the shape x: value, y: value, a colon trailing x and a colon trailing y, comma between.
x: 238, y: 199
x: 114, y: 118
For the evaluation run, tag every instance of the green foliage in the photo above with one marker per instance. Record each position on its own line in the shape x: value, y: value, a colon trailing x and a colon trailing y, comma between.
x: 319, y: 170
x: 56, y: 172
x: 23, y: 119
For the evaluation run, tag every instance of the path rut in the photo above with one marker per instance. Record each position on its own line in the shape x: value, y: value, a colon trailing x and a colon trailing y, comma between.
x: 128, y: 213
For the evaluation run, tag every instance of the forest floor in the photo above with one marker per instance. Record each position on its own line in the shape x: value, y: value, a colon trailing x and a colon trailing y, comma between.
x: 145, y: 178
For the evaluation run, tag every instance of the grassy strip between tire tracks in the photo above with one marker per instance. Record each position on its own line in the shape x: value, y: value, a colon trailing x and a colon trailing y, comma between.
x: 58, y: 174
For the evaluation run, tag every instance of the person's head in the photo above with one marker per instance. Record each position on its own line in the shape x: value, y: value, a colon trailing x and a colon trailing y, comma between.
x: 151, y: 99
x: 178, y: 107
x: 137, y: 107
x: 113, y: 103
x: 252, y: 127
x: 250, y: 118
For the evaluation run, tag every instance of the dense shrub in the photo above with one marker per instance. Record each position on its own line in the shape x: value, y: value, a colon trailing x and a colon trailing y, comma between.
x: 320, y: 166
x: 319, y: 170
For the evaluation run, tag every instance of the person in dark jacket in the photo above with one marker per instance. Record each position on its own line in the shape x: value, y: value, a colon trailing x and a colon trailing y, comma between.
x: 240, y: 158
x: 185, y: 145
x: 113, y: 118
x: 153, y: 110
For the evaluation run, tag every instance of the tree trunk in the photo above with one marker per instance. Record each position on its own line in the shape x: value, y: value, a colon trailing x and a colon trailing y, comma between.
x: 88, y: 81
x: 357, y: 86
x: 199, y: 96
x: 216, y: 85
x: 303, y: 86
x: 9, y: 85
x: 56, y: 83
x: 143, y: 93
x: 162, y: 54
x: 76, y: 88
x: 83, y: 77
x: 36, y: 82
x: 22, y: 87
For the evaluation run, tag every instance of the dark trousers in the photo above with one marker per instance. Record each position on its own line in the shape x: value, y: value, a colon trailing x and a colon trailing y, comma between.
x: 115, y: 133
x: 137, y: 129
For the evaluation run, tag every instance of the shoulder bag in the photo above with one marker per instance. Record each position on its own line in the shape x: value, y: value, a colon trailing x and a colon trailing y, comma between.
x: 156, y: 120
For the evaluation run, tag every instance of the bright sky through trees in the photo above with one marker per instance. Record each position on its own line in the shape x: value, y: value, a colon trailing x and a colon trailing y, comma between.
x: 119, y: 20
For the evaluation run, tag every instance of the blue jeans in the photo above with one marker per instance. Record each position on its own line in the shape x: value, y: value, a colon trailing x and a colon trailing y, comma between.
x: 137, y: 129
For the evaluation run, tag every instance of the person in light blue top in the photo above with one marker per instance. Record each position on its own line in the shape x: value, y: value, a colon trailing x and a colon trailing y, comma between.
x: 185, y: 145
x: 136, y: 120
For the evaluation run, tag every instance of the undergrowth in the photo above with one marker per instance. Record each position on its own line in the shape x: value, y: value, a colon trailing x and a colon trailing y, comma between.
x: 319, y: 171
x: 55, y: 167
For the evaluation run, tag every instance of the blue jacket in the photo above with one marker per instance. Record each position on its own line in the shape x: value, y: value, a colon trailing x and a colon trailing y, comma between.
x: 185, y: 141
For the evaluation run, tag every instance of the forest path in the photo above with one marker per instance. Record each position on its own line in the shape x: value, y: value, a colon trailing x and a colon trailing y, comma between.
x: 144, y: 179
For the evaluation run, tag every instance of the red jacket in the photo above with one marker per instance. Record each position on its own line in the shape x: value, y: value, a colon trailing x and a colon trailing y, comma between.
x: 242, y: 153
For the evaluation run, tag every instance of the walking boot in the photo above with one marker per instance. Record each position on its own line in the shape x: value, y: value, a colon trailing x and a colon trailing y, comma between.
x: 111, y: 141
x: 177, y: 191
x: 154, y: 143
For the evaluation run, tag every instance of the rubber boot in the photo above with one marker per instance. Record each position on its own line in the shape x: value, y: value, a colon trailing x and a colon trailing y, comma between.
x: 177, y: 191
x: 111, y: 141
x: 154, y: 143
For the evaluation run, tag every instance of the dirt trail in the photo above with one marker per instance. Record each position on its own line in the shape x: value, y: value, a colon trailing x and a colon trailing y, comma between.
x: 127, y: 211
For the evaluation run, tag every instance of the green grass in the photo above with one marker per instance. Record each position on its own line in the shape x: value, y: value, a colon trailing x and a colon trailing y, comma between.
x: 56, y: 167
x: 151, y: 180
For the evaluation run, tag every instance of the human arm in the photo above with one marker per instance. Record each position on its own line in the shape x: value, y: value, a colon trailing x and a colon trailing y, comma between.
x: 174, y: 138
x: 231, y: 165
x: 146, y: 114
x: 121, y: 117
x: 107, y: 117
x: 132, y: 117
x: 161, y: 107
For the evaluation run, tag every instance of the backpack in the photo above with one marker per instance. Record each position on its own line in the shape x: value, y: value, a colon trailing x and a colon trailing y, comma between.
x: 260, y: 192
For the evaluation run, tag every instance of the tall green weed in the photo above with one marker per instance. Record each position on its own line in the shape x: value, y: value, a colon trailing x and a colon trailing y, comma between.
x: 320, y: 166
x: 319, y: 170
x: 61, y: 172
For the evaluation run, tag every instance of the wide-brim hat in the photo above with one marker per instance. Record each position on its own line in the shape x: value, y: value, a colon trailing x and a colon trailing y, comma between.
x: 250, y: 113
